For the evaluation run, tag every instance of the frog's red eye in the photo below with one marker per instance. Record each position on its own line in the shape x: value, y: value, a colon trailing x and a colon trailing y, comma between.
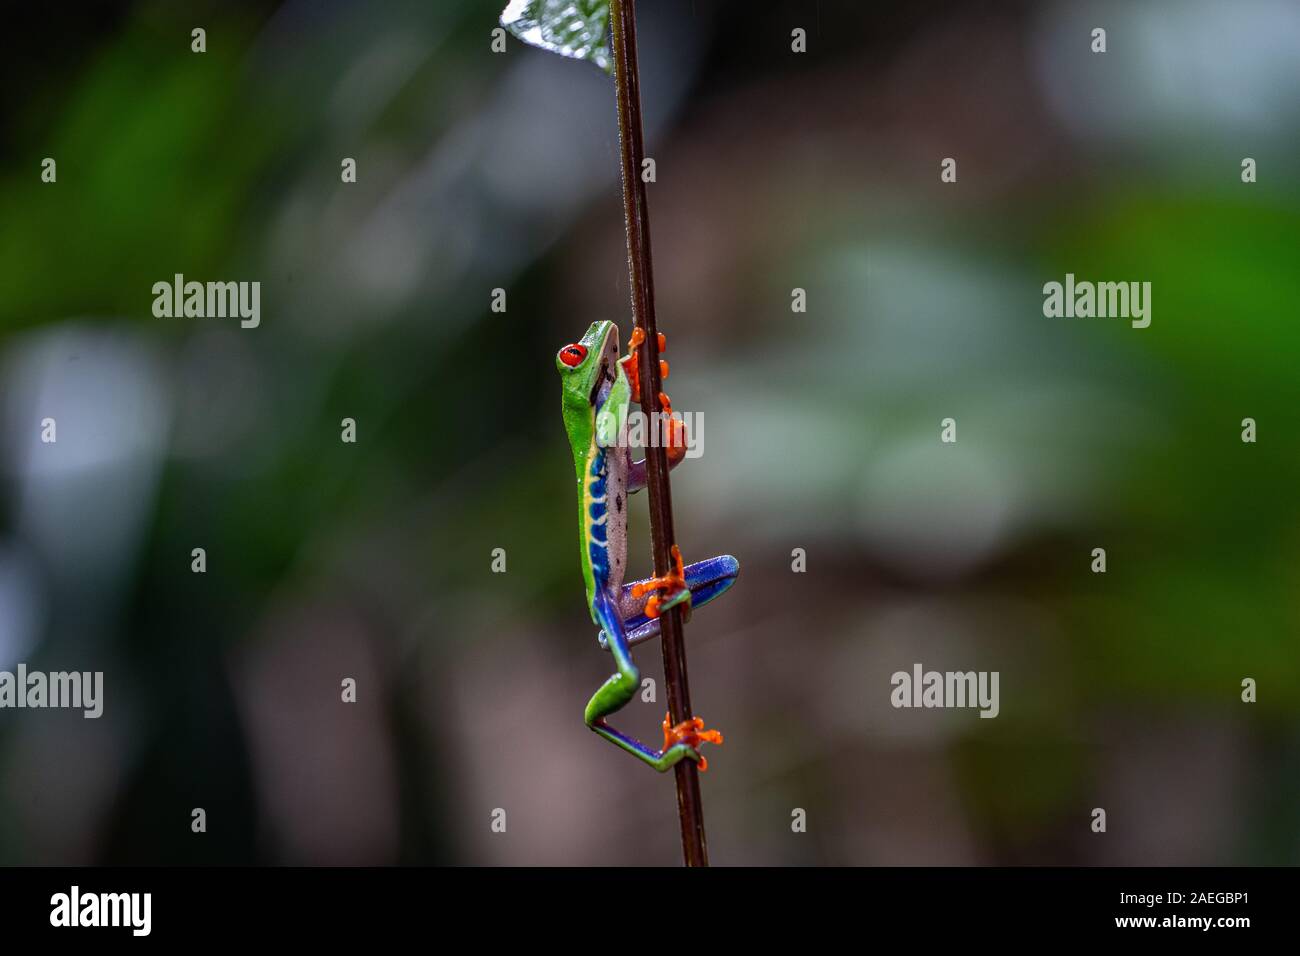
x: 572, y: 355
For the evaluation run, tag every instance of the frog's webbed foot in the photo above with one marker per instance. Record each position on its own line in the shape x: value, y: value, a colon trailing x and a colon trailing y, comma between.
x: 673, y: 585
x: 674, y: 433
x: 691, y: 733
x: 632, y: 361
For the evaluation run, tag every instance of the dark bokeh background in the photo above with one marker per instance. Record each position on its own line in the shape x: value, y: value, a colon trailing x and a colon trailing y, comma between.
x: 775, y: 170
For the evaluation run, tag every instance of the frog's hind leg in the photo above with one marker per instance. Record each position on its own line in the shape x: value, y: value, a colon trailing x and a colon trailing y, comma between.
x: 619, y: 689
x: 705, y: 579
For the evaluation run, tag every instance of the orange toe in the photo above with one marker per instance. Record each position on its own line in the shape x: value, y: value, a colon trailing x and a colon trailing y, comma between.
x: 671, y: 584
x: 692, y: 733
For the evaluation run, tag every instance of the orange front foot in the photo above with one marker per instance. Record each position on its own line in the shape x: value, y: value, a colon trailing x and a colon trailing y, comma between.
x: 675, y: 432
x: 672, y: 584
x: 692, y: 733
x: 632, y: 361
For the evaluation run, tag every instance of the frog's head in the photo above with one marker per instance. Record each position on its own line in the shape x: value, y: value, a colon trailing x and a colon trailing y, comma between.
x: 587, y: 366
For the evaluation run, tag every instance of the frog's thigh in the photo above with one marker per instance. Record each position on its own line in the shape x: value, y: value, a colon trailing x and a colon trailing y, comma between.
x: 705, y: 579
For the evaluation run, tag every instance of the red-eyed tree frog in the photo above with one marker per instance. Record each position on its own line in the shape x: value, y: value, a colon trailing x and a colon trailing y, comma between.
x: 598, y: 387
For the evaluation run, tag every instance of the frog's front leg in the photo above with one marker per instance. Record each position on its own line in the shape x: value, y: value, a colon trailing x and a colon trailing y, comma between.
x: 674, y: 435
x: 674, y: 448
x: 680, y: 742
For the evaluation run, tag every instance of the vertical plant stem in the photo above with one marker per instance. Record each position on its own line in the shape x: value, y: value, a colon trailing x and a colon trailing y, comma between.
x: 636, y: 219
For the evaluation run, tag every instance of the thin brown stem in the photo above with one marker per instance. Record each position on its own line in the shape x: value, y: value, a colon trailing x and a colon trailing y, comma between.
x: 637, y: 221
